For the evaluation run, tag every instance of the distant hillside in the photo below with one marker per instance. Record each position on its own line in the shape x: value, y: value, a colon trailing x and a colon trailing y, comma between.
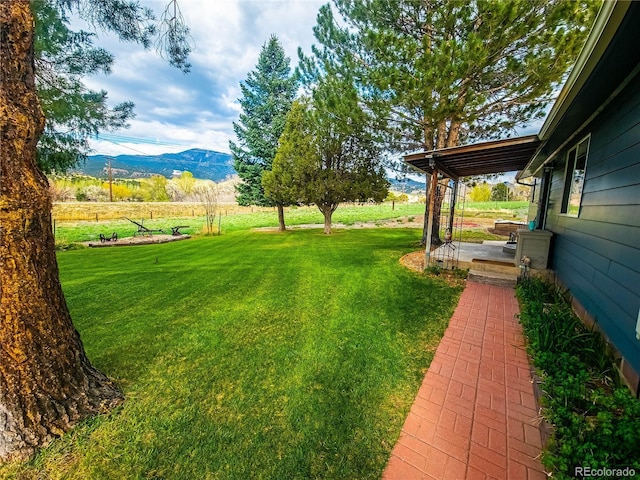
x: 204, y: 164
x: 406, y: 185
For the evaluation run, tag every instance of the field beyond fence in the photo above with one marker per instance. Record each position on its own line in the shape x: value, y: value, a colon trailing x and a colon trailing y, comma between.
x: 99, y: 211
x: 84, y: 221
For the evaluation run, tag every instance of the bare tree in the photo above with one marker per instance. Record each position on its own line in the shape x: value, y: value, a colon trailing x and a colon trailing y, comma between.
x: 207, y: 194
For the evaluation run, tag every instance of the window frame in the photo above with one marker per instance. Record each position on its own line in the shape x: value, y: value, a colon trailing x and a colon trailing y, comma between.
x: 573, y: 158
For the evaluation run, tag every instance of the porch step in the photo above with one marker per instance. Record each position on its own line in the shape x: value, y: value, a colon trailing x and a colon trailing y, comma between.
x: 493, y: 278
x: 486, y: 265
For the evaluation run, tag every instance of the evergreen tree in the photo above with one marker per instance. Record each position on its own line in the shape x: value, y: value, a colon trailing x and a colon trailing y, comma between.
x: 47, y: 383
x: 328, y: 152
x: 73, y: 113
x: 63, y: 57
x: 267, y: 95
x: 296, y: 148
x: 499, y: 192
x: 442, y: 72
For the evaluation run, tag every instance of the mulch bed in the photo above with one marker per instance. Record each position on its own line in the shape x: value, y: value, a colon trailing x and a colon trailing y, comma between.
x: 413, y: 261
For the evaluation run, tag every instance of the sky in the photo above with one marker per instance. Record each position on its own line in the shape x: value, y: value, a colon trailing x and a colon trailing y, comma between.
x: 177, y: 111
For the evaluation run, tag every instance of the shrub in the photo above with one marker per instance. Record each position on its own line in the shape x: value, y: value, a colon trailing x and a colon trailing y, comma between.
x: 480, y: 193
x: 596, y: 421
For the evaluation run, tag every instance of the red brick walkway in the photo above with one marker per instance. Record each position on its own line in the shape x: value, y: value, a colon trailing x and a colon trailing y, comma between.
x: 474, y: 415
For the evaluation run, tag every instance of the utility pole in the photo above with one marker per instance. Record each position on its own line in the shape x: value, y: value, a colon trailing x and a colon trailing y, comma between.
x: 110, y: 183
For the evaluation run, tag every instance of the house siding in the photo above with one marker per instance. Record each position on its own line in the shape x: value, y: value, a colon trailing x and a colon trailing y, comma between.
x: 597, y: 254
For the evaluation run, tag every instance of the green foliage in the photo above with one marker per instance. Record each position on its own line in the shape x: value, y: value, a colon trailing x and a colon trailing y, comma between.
x: 596, y: 422
x: 480, y: 193
x: 73, y: 112
x: 267, y: 95
x: 443, y: 72
x: 499, y: 192
x: 434, y: 270
x: 63, y: 57
x: 186, y: 182
x: 85, y: 188
x: 343, y: 160
x: 396, y: 197
x: 304, y: 365
x: 155, y: 189
x: 296, y: 148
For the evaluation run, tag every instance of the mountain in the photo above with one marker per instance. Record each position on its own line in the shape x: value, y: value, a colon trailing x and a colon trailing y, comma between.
x: 406, y: 185
x: 204, y: 164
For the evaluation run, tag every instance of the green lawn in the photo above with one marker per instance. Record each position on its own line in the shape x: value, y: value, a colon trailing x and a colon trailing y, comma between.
x: 84, y: 231
x: 249, y: 355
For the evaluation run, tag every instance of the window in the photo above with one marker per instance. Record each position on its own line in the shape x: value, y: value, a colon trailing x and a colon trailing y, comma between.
x: 574, y: 178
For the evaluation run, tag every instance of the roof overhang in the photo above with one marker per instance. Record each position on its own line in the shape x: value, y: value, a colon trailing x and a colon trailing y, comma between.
x: 607, y: 62
x: 499, y: 156
x: 605, y: 65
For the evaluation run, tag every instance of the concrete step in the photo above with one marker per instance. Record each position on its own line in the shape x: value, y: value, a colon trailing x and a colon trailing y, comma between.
x: 490, y: 266
x: 493, y: 278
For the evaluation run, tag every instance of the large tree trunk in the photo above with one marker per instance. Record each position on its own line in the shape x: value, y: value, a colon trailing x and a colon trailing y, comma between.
x: 281, y: 223
x: 425, y: 223
x: 46, y: 381
x: 445, y: 139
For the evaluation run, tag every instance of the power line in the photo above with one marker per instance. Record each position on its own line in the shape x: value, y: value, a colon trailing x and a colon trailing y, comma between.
x: 124, y: 146
x: 101, y: 137
x: 123, y: 138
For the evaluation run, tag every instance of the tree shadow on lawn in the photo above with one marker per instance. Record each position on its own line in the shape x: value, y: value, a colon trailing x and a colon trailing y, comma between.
x: 296, y: 355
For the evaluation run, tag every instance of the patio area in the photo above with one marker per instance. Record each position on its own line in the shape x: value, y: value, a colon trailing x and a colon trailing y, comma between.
x: 462, y: 254
x: 475, y: 415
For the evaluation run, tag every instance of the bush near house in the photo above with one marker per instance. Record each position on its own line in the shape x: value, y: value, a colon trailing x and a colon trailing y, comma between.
x: 595, y: 419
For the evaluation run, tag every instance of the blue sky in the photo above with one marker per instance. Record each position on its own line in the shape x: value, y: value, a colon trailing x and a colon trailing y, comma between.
x: 176, y: 111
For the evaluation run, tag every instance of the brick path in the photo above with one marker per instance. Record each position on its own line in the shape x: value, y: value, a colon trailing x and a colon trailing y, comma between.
x: 474, y: 414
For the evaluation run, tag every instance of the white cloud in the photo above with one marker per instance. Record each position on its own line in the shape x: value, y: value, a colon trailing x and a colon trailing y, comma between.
x: 198, y: 109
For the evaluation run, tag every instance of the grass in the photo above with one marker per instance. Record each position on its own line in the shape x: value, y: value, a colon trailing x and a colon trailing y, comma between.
x: 512, y: 210
x: 231, y: 221
x: 249, y: 355
x: 234, y: 219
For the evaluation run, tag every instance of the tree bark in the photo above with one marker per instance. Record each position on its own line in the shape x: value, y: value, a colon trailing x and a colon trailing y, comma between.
x: 281, y: 224
x: 327, y: 212
x: 46, y: 381
x: 425, y: 223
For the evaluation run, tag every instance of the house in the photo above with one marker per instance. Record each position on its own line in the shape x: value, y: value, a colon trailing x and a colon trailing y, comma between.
x: 585, y: 167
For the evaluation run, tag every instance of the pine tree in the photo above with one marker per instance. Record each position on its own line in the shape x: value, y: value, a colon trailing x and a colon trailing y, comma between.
x: 442, y: 72
x: 73, y: 112
x: 47, y: 383
x: 267, y: 95
x: 328, y: 153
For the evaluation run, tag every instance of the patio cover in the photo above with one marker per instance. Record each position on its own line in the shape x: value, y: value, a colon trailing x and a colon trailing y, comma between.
x: 499, y: 156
